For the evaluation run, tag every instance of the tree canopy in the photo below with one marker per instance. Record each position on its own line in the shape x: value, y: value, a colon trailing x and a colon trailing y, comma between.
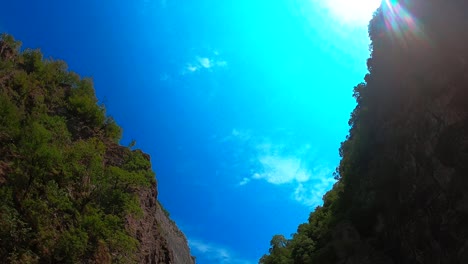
x: 66, y: 185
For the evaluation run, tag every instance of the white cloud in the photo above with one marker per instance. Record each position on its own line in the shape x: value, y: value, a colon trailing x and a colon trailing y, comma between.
x: 237, y: 135
x: 204, y: 63
x: 278, y: 169
x: 242, y: 135
x: 311, y: 194
x: 310, y: 185
x: 221, y: 63
x: 192, y: 68
x: 199, y: 246
x: 284, y: 165
x: 244, y: 181
x: 215, y: 253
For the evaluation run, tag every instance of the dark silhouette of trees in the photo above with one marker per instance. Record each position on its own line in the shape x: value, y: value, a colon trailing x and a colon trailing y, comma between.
x: 401, y: 192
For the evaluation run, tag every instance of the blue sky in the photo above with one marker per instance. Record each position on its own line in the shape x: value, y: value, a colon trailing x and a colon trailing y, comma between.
x: 242, y: 105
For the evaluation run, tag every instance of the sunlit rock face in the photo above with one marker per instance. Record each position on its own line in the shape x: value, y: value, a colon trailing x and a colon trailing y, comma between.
x: 160, y: 240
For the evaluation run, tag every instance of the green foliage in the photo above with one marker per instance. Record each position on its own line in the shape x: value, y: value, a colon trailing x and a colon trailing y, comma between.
x: 9, y: 48
x: 32, y: 61
x: 71, y: 245
x: 65, y: 185
x: 9, y: 119
x: 279, y: 252
x: 112, y: 130
x: 83, y: 105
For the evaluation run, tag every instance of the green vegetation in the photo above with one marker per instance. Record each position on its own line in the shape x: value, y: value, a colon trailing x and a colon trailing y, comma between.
x: 66, y: 186
x: 400, y: 195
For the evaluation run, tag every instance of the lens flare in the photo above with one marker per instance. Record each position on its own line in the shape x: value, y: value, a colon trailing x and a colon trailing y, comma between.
x: 404, y: 27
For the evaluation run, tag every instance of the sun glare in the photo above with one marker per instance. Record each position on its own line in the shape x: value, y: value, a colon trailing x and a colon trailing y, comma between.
x: 352, y: 12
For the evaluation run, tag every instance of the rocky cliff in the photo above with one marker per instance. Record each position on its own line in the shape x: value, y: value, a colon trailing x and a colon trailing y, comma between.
x: 70, y: 193
x: 160, y: 240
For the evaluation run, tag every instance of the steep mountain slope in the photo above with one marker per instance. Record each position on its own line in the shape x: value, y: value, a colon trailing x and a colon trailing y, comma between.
x: 401, y: 195
x: 70, y: 193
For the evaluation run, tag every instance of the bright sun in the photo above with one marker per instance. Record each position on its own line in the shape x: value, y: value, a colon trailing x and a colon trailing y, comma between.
x: 352, y: 11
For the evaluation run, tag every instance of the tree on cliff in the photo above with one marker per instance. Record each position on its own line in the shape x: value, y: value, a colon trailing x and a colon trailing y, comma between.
x: 401, y: 192
x: 66, y: 186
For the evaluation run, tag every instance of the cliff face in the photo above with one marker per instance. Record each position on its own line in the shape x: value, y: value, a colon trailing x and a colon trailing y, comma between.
x: 411, y: 179
x: 161, y: 241
x: 401, y: 195
x: 70, y: 193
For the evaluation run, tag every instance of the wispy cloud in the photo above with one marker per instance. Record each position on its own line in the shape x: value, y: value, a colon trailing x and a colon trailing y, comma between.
x: 277, y: 169
x: 288, y: 165
x: 311, y: 193
x: 211, y: 253
x: 204, y: 63
x: 192, y: 68
x: 309, y: 184
x: 239, y: 135
x: 244, y: 181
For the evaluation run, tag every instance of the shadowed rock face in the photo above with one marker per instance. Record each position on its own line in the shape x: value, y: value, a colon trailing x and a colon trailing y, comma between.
x: 416, y: 119
x: 417, y: 97
x: 403, y: 179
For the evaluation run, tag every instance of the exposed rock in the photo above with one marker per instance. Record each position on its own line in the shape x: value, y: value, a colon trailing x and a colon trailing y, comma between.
x: 161, y: 241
